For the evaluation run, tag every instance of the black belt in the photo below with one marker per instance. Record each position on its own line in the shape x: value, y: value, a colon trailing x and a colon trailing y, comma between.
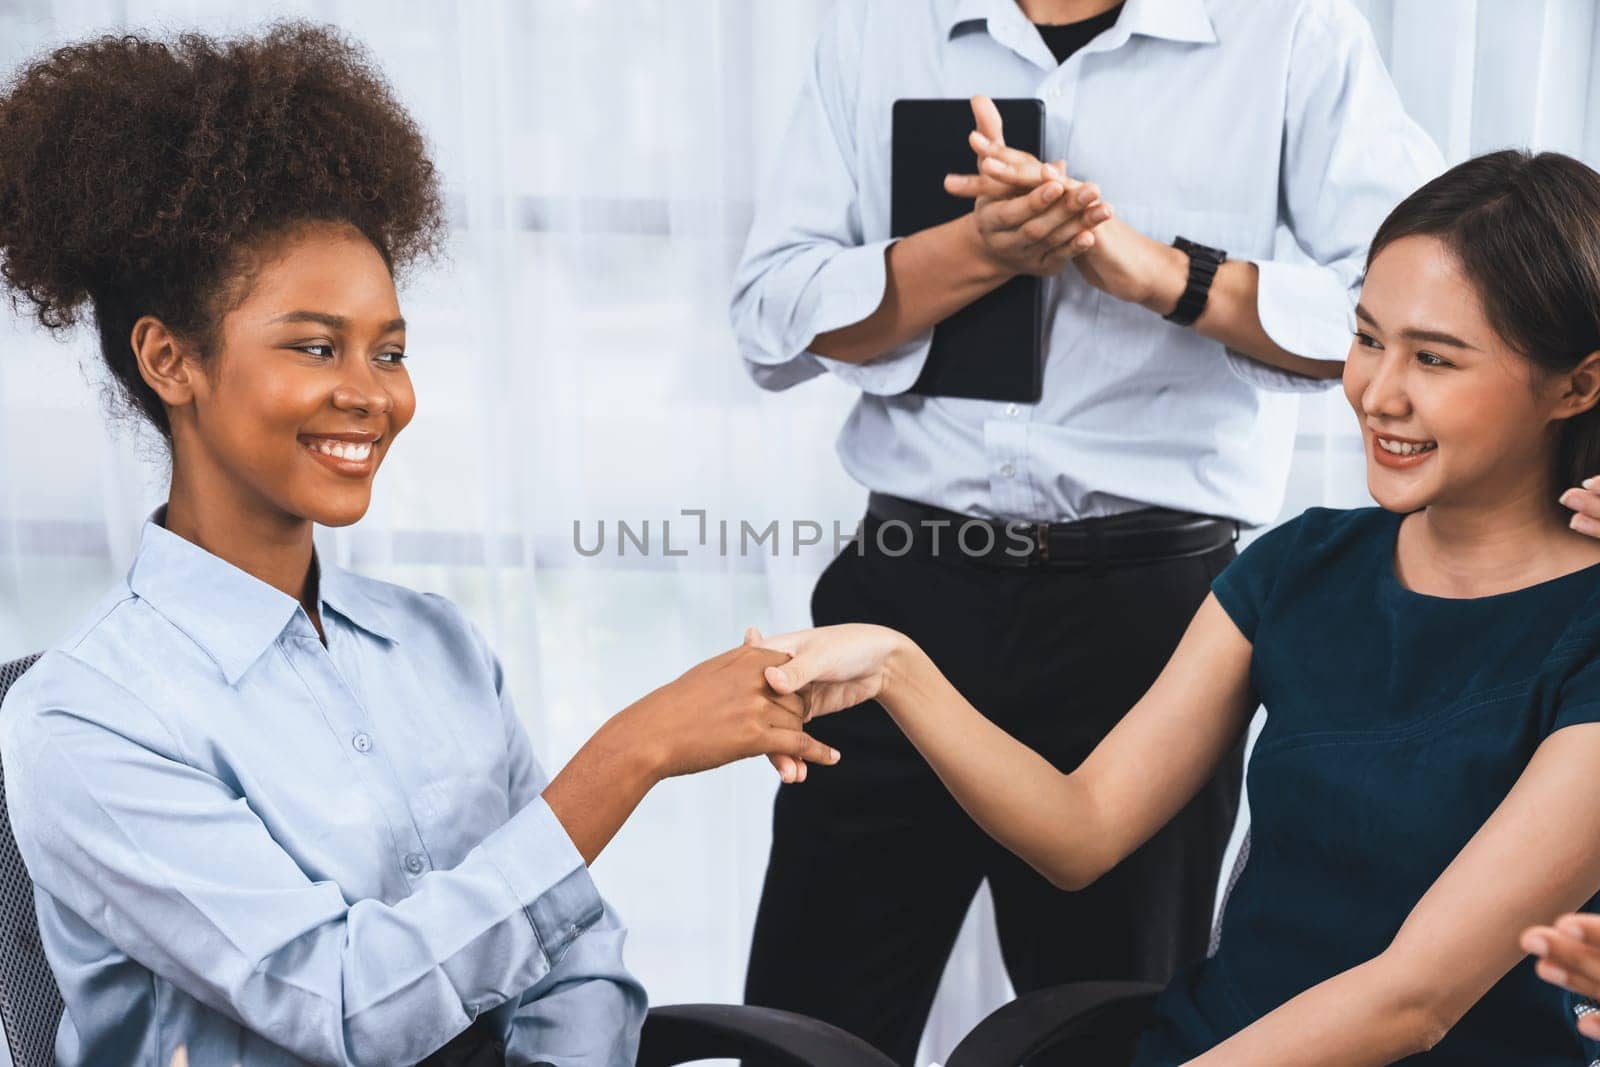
x: 900, y: 527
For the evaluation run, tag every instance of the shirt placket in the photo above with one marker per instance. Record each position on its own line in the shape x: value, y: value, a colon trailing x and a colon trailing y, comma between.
x: 1005, y: 429
x: 346, y: 715
x: 1006, y: 442
x: 1013, y: 470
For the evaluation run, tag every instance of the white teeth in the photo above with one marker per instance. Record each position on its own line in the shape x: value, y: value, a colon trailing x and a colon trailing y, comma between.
x: 344, y: 449
x: 1401, y: 448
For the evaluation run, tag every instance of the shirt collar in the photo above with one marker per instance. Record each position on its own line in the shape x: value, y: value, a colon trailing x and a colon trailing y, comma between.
x: 358, y: 599
x: 1174, y: 20
x: 234, y: 616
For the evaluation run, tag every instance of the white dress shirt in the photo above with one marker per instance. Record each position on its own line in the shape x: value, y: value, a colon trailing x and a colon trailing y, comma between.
x: 1268, y: 129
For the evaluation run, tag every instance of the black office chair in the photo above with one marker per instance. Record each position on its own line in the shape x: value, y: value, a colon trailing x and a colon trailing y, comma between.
x: 1084, y: 1024
x: 30, y: 1002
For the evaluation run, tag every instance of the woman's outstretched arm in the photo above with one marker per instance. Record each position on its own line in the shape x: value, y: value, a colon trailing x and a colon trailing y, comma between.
x: 1070, y: 827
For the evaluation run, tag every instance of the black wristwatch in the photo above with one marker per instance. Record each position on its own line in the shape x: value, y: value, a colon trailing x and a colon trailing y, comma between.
x: 1203, y: 263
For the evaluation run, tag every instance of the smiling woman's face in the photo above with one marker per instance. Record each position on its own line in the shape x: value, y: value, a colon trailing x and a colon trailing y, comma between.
x: 293, y: 415
x: 1449, y: 413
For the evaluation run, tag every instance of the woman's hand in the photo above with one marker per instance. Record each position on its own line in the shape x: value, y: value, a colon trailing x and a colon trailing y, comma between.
x: 836, y: 667
x: 717, y: 712
x: 1569, y: 956
x: 789, y: 768
x: 1584, y: 500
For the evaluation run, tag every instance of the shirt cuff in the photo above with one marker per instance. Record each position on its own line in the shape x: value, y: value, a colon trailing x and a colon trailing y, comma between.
x: 1274, y: 379
x: 888, y: 375
x: 1305, y: 309
x: 547, y: 875
x: 846, y: 289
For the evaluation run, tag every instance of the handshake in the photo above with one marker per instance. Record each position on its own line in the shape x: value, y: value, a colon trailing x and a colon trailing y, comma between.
x: 754, y: 700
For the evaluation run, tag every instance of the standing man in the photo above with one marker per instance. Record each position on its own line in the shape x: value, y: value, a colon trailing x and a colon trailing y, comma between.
x: 1245, y: 153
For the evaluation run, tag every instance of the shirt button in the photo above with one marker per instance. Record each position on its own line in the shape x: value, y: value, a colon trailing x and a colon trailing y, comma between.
x: 362, y: 742
x: 1011, y: 409
x: 415, y: 863
x: 1007, y: 471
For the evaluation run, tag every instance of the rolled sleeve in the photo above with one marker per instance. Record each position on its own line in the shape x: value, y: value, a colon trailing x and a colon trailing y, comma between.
x: 1306, y: 308
x: 532, y: 851
x: 543, y: 869
x: 1351, y: 153
x: 807, y: 266
x: 587, y: 1011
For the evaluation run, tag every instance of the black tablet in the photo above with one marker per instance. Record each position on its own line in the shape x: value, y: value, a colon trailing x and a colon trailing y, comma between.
x: 990, y: 349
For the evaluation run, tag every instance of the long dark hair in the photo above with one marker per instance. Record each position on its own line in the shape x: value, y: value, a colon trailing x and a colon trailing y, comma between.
x: 1525, y: 229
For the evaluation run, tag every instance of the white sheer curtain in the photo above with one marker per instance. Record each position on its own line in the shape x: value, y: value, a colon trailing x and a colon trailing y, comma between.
x: 573, y: 364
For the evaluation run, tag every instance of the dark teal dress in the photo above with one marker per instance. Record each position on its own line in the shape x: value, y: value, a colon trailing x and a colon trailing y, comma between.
x: 1396, y: 723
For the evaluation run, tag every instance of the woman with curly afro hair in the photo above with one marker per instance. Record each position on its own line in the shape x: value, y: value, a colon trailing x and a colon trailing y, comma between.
x: 275, y: 812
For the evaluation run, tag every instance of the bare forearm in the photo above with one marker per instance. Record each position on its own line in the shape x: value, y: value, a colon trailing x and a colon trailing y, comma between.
x: 1231, y: 316
x: 1016, y: 795
x: 1356, y: 1018
x: 930, y: 275
x: 600, y: 787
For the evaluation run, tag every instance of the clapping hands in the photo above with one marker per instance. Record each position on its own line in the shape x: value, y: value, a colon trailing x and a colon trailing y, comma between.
x: 1034, y: 219
x: 1031, y: 218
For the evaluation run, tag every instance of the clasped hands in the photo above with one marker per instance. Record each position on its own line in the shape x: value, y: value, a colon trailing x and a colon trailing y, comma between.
x: 828, y: 669
x: 1032, y: 218
x: 754, y: 700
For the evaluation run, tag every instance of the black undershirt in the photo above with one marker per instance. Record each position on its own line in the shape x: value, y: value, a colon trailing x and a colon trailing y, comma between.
x: 1068, y: 37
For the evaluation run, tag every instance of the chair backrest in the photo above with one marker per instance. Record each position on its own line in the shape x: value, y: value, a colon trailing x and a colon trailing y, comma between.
x: 30, y: 1002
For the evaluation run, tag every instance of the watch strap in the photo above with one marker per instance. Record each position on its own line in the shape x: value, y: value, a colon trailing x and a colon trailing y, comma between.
x: 1203, y: 263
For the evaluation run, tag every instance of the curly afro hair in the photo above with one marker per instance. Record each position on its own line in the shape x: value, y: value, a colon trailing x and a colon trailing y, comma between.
x: 135, y: 175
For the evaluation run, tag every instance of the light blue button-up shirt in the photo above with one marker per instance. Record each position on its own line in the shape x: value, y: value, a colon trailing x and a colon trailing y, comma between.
x: 274, y: 852
x: 1267, y: 128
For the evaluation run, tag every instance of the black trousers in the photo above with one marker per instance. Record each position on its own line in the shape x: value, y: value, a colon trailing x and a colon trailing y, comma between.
x: 873, y: 864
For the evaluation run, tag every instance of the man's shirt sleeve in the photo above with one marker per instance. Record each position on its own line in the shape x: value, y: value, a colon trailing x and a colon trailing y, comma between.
x: 807, y: 267
x: 1350, y: 154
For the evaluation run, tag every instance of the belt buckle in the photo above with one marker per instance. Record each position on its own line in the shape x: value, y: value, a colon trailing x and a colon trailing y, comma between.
x: 1042, y: 529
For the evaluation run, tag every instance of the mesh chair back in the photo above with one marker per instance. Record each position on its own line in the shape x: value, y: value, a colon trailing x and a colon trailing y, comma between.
x: 30, y: 1003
